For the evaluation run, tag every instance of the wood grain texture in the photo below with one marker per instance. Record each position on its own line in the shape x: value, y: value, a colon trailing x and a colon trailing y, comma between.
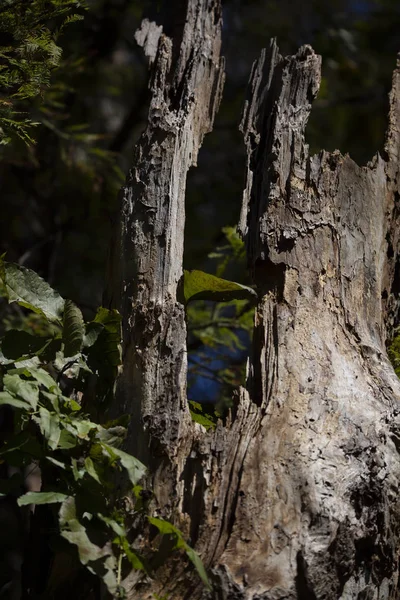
x: 297, y: 495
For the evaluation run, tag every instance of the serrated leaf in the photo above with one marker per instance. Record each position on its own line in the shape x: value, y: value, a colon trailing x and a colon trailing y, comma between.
x: 133, y: 466
x: 44, y: 378
x: 67, y: 440
x: 25, y: 390
x: 203, y: 286
x: 31, y: 291
x: 6, y: 398
x: 91, y: 469
x: 73, y: 329
x: 109, y: 339
x: 41, y: 498
x: 49, y: 426
x: 113, y: 436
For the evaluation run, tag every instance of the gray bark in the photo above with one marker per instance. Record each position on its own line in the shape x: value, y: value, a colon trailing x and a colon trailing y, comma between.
x: 297, y: 496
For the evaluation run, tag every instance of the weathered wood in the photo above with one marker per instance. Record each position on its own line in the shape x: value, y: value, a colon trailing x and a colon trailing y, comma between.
x: 297, y: 496
x: 146, y: 267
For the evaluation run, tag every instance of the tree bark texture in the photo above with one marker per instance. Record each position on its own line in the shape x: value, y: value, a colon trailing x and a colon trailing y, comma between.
x: 297, y: 495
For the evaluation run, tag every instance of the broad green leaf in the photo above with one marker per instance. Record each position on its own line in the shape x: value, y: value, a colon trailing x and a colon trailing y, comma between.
x: 88, y: 552
x: 6, y: 398
x: 41, y: 498
x: 31, y: 291
x: 93, y: 330
x: 110, y: 338
x: 91, y: 469
x: 98, y: 560
x: 203, y: 286
x: 67, y: 440
x: 54, y: 400
x: 114, y: 436
x: 45, y: 379
x: 26, y: 390
x: 16, y: 344
x: 73, y: 405
x: 81, y: 428
x: 73, y: 329
x: 49, y: 424
x: 134, y: 467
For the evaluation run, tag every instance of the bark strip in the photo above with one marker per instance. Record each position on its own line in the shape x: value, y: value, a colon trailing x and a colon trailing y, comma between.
x: 146, y: 268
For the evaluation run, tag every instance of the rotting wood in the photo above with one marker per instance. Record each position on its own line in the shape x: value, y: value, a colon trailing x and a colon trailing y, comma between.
x: 297, y: 497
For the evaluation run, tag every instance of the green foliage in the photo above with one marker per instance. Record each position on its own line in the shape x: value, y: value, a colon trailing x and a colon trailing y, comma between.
x: 166, y: 528
x: 31, y: 291
x: 394, y: 352
x: 198, y: 414
x: 28, y: 53
x: 217, y: 330
x: 51, y: 388
x: 204, y: 286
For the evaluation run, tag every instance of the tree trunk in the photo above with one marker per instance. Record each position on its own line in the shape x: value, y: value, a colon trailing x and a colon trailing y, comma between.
x: 297, y: 496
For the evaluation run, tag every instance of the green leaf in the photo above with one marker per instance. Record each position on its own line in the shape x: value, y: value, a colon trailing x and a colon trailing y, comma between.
x: 67, y: 440
x: 6, y: 398
x: 113, y: 436
x: 198, y: 565
x: 45, y: 379
x: 73, y: 329
x: 93, y: 330
x: 203, y: 286
x: 109, y: 339
x: 56, y: 462
x: 166, y: 528
x: 49, y: 424
x: 132, y: 556
x: 117, y: 528
x: 26, y: 390
x: 134, y: 467
x: 41, y: 498
x: 31, y: 291
x: 91, y: 470
x: 98, y: 560
x: 203, y: 420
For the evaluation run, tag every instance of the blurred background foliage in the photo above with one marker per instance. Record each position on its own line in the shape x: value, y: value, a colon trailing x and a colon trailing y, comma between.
x: 59, y: 195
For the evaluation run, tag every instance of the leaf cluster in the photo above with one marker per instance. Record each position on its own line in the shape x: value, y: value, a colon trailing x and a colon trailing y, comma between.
x: 55, y: 384
x: 220, y: 316
x: 29, y: 32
